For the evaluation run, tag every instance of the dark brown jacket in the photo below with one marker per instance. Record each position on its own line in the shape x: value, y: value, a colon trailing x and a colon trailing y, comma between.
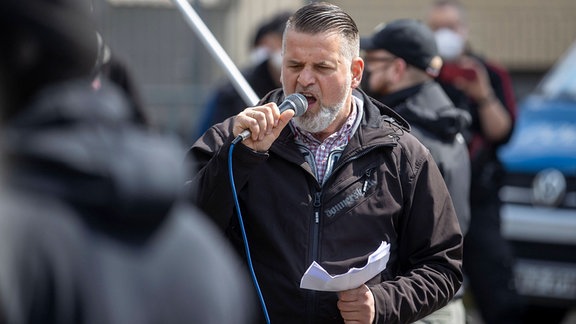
x: 385, y: 187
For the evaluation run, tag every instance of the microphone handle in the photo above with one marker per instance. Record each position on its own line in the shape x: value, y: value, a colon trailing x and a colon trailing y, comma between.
x: 242, y: 136
x: 246, y: 133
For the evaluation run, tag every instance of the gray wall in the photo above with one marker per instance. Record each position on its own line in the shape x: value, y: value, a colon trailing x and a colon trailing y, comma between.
x: 171, y: 67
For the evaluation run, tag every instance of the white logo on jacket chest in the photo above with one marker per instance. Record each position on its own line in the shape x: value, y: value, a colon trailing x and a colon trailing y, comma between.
x: 350, y: 199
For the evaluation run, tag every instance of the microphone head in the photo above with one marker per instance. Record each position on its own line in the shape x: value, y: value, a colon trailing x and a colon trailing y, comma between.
x: 298, y: 102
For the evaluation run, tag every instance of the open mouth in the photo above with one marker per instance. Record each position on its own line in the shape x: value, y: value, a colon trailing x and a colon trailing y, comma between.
x: 310, y: 98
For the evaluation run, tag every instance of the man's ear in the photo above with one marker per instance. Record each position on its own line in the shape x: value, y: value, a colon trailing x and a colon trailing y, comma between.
x: 357, y: 70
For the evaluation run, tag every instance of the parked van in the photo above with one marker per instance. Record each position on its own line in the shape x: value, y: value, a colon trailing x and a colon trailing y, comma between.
x: 539, y: 191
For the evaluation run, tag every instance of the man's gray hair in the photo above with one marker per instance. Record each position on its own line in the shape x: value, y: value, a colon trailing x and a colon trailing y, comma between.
x: 323, y: 17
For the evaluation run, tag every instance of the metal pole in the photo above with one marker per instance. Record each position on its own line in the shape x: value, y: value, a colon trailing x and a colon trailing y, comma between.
x: 208, y: 39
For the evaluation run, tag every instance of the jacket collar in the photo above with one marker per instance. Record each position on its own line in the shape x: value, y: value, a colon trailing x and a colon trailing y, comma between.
x: 427, y: 106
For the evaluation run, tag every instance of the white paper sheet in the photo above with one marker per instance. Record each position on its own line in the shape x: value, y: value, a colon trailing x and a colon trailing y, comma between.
x: 316, y: 278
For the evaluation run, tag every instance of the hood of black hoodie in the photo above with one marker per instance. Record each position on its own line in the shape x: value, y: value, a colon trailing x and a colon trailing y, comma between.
x: 427, y: 106
x: 81, y: 146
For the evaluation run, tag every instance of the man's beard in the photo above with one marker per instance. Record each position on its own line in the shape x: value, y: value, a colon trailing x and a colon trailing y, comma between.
x: 319, y: 121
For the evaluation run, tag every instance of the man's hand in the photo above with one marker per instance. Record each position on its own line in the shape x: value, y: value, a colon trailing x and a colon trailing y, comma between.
x: 265, y: 124
x: 478, y: 88
x: 495, y: 121
x: 357, y: 305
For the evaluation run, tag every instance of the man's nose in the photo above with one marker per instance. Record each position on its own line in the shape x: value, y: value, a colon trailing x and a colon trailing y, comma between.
x: 306, y: 77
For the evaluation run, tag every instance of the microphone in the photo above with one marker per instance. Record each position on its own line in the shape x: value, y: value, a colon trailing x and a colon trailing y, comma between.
x: 295, y: 101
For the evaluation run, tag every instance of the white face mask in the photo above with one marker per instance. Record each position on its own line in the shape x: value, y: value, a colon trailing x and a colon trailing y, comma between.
x: 276, y: 60
x: 258, y: 55
x: 450, y: 43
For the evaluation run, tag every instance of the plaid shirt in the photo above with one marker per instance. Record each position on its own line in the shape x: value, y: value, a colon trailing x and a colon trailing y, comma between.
x: 322, y: 150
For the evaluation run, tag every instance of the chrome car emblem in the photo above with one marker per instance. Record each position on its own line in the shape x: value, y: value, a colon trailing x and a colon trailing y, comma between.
x: 548, y: 188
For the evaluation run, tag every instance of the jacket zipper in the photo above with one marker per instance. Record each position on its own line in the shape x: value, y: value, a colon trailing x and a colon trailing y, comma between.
x: 357, y: 156
x: 313, y: 255
x: 367, y: 176
x: 316, y: 226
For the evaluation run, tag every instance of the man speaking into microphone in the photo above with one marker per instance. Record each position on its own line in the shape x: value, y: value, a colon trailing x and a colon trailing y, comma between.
x: 330, y: 186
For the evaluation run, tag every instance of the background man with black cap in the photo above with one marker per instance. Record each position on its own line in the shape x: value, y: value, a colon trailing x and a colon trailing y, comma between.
x: 402, y: 61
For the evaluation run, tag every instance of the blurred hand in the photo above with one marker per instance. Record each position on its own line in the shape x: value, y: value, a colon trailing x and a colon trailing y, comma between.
x: 494, y: 119
x: 478, y: 88
x: 265, y: 124
x: 357, y: 305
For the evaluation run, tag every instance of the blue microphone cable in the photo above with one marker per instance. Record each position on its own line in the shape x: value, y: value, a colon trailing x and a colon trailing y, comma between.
x: 243, y: 230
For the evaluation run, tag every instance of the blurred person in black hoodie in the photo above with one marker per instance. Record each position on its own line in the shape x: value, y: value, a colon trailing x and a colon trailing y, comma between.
x: 91, y: 226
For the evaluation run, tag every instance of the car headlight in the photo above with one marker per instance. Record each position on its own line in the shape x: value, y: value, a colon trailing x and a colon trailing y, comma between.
x: 548, y: 188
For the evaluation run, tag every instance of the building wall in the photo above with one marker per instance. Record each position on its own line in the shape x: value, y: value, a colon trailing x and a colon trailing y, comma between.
x: 524, y: 35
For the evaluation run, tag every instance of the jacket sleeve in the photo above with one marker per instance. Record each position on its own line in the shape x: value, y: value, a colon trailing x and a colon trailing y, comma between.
x: 429, y: 268
x: 210, y: 185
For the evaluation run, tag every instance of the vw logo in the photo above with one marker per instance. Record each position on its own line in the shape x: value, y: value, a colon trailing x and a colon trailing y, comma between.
x: 548, y: 188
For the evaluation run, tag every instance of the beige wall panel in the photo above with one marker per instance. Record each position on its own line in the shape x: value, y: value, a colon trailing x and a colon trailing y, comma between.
x: 521, y: 34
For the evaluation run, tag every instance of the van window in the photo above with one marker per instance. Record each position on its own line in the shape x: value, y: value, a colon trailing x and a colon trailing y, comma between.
x: 560, y: 82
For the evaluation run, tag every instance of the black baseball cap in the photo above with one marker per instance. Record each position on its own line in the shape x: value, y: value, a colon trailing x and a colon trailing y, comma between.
x: 408, y: 39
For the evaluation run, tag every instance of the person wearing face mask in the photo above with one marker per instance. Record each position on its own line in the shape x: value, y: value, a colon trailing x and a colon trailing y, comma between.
x: 263, y: 75
x: 484, y: 90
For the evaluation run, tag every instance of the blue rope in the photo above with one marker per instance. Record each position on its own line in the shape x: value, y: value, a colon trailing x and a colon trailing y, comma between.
x: 244, y: 237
